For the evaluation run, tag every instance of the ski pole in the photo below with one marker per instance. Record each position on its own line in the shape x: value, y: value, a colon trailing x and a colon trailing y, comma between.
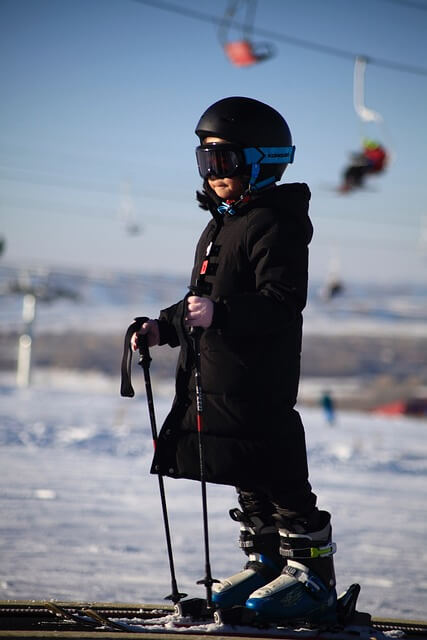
x: 208, y: 581
x: 144, y: 362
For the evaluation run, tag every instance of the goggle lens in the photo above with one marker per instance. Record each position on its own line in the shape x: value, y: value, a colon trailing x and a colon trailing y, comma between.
x: 221, y: 162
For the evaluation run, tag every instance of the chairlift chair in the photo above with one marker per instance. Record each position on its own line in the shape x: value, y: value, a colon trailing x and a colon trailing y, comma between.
x: 374, y: 156
x: 242, y: 52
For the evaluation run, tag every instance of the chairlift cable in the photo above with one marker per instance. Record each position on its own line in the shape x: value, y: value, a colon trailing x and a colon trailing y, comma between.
x: 409, y: 4
x: 281, y: 37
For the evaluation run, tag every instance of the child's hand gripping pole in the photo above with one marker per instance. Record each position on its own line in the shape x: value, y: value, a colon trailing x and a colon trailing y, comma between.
x: 200, y: 309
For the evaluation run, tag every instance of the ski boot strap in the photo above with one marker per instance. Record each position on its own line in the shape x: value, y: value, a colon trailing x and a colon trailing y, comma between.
x: 257, y: 541
x: 263, y: 565
x: 325, y: 551
x: 294, y: 545
x: 252, y: 529
x: 310, y: 581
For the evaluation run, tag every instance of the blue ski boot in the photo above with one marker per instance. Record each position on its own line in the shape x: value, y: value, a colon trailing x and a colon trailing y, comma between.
x: 261, y: 544
x: 305, y: 590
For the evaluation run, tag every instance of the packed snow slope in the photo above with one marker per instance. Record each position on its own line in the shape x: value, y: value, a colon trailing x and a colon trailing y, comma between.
x: 81, y: 517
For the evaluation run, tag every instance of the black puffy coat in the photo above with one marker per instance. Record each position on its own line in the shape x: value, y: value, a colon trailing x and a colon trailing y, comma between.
x: 250, y: 356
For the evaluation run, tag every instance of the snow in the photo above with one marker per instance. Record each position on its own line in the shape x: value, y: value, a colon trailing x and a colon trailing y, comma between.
x: 82, y: 518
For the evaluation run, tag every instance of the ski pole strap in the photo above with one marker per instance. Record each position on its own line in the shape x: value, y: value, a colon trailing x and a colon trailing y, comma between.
x: 126, y: 389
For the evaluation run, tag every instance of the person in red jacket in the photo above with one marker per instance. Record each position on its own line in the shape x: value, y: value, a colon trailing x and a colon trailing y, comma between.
x: 371, y: 160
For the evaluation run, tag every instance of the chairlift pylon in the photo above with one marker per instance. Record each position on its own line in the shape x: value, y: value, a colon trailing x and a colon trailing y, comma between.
x: 242, y: 52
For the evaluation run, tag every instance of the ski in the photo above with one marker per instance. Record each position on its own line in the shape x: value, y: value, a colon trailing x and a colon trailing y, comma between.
x: 43, y: 616
x: 64, y: 614
x: 86, y: 617
x: 190, y: 618
x: 174, y: 624
x: 107, y: 622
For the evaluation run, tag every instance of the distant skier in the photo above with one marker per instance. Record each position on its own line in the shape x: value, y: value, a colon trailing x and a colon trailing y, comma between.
x: 328, y: 405
x: 333, y: 288
x: 251, y: 274
x: 371, y: 160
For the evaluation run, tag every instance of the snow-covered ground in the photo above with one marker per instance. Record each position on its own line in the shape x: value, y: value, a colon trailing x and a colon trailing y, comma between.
x: 81, y: 518
x: 80, y: 513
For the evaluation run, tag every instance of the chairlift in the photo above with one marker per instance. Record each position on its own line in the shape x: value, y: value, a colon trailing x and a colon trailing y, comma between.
x: 127, y: 213
x: 373, y: 157
x: 333, y: 289
x: 133, y: 228
x: 364, y: 113
x: 334, y: 285
x: 242, y: 52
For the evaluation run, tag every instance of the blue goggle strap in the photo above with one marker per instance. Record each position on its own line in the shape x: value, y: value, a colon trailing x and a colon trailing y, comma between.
x: 255, y: 169
x: 269, y: 155
x: 262, y: 183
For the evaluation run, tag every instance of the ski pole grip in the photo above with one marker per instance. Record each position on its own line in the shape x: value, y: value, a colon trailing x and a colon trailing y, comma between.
x: 195, y: 290
x: 143, y: 349
x: 126, y: 389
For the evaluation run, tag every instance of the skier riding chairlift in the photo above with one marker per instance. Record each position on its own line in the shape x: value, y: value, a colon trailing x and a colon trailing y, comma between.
x: 373, y: 157
x: 242, y: 52
x: 371, y: 160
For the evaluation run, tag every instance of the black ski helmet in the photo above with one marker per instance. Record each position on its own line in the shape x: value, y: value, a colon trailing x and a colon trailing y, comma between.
x: 249, y: 123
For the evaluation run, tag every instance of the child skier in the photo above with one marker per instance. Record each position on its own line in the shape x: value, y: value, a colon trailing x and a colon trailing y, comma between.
x: 250, y: 271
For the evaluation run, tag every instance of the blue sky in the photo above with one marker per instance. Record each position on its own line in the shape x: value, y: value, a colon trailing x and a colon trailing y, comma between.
x: 99, y: 103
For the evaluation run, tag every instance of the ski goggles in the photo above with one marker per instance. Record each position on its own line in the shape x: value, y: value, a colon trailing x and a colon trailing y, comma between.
x: 226, y: 160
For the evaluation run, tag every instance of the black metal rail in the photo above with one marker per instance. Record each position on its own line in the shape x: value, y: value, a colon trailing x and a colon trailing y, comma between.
x: 70, y: 616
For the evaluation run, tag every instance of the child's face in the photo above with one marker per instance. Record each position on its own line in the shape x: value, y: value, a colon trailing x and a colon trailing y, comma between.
x: 226, y: 188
